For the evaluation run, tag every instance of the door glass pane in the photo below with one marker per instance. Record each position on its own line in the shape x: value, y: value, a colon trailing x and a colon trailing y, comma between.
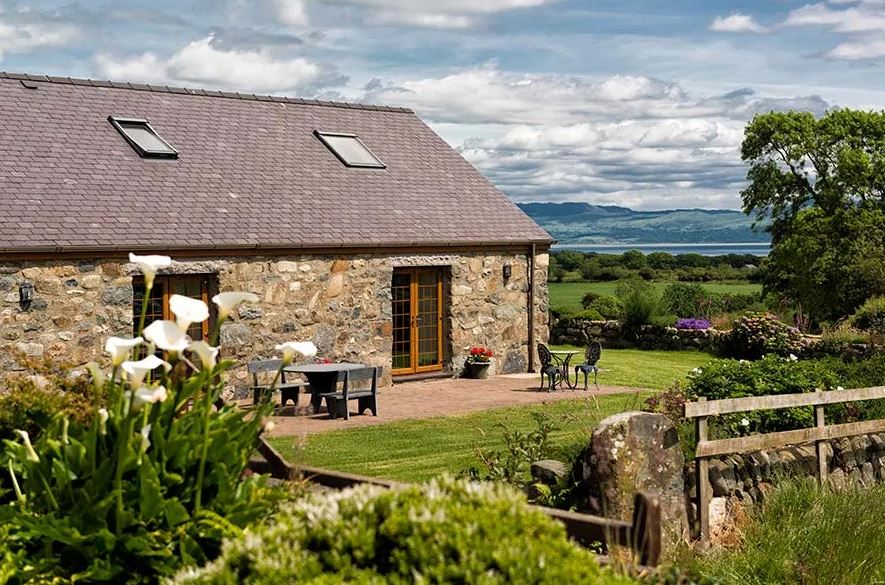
x: 189, y: 286
x: 402, y: 347
x: 428, y: 318
x: 154, y: 304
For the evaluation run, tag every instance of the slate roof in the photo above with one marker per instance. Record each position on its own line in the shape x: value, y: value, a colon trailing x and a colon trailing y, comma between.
x: 250, y: 174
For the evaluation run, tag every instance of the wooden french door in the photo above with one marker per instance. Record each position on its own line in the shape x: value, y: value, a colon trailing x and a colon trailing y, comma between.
x: 195, y: 286
x: 417, y: 321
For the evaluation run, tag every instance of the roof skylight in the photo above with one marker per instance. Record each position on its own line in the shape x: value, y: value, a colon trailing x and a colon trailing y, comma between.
x: 143, y: 138
x: 350, y: 150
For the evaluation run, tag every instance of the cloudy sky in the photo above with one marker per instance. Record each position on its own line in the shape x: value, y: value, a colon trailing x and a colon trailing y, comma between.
x: 628, y: 102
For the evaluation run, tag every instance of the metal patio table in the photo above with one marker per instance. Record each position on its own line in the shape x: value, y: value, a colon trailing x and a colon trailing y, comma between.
x: 322, y: 378
x: 563, y: 357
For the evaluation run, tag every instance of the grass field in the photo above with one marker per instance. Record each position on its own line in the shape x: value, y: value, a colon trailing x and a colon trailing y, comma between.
x: 639, y: 368
x: 568, y: 294
x: 418, y: 449
x: 807, y: 534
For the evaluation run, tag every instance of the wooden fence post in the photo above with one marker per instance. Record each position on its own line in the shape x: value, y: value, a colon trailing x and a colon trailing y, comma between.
x: 820, y: 422
x: 702, y: 480
x: 645, y: 535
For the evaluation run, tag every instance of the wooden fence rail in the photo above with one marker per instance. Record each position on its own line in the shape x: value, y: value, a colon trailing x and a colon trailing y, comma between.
x: 818, y: 434
x: 642, y: 535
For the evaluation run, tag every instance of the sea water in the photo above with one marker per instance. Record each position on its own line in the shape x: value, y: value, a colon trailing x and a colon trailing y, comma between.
x: 705, y: 249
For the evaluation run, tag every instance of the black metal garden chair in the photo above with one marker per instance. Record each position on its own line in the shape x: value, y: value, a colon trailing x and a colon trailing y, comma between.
x: 548, y: 368
x: 591, y: 358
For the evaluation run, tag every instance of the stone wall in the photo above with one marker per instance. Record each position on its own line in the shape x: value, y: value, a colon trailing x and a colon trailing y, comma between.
x: 850, y: 460
x: 612, y: 334
x: 638, y: 451
x: 341, y: 303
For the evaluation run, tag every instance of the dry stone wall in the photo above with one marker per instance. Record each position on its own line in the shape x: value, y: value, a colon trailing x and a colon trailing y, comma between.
x: 341, y: 303
x: 612, y: 334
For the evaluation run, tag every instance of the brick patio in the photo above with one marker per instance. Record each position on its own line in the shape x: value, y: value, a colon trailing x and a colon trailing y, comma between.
x: 432, y: 398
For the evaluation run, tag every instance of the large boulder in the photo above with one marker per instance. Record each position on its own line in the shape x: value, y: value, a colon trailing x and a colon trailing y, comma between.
x: 638, y: 451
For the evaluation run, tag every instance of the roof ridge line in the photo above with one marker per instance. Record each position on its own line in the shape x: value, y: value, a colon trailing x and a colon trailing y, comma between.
x: 199, y: 92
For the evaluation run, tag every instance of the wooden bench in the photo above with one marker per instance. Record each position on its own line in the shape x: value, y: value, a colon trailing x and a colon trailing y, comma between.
x: 336, y: 402
x: 288, y: 390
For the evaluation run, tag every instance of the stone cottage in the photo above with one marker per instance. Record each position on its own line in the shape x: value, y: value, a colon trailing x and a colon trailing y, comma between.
x: 358, y: 227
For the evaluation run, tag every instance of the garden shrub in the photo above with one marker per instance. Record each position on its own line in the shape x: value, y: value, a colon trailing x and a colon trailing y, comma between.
x: 838, y: 341
x: 446, y: 531
x: 588, y: 299
x: 727, y: 378
x: 688, y: 300
x: 30, y: 401
x: 608, y: 306
x: 732, y: 302
x: 642, y: 305
x: 871, y: 317
x: 771, y: 375
x: 591, y: 314
x: 693, y: 300
x: 756, y: 334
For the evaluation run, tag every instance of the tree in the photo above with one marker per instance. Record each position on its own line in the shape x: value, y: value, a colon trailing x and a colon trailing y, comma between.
x: 830, y: 265
x: 633, y: 259
x: 555, y: 271
x: 661, y: 260
x: 570, y: 260
x: 818, y: 185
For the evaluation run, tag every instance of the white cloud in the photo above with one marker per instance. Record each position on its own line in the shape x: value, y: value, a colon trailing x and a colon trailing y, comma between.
x: 25, y: 37
x: 861, y: 24
x: 628, y: 140
x: 291, y: 12
x: 203, y: 64
x: 436, y: 13
x: 736, y: 22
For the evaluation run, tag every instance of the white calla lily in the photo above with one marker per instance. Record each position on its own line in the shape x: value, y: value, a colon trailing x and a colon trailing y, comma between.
x: 29, y: 449
x: 149, y: 265
x: 98, y: 377
x: 228, y: 301
x: 103, y: 420
x: 206, y: 352
x: 148, y: 395
x: 146, y: 437
x: 187, y: 310
x: 166, y: 335
x: 119, y: 348
x: 136, y: 371
x: 293, y: 349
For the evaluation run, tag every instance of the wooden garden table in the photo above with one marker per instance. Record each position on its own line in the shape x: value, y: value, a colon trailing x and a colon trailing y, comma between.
x: 322, y: 378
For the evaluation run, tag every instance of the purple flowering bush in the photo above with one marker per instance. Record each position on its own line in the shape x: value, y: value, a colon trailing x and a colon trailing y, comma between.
x: 693, y: 323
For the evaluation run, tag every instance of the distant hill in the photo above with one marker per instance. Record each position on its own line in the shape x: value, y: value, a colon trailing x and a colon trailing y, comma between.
x: 583, y: 223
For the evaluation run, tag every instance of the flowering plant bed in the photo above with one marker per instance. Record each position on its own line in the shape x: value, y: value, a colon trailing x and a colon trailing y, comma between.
x: 693, y: 323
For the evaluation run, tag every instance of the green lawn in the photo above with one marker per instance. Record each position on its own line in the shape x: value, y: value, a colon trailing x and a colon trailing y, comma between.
x: 639, y: 368
x: 568, y: 294
x: 418, y: 449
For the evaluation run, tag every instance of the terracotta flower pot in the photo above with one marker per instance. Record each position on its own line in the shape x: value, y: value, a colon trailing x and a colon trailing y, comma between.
x: 476, y: 370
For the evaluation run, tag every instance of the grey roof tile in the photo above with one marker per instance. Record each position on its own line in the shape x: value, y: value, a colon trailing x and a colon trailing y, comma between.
x: 254, y: 156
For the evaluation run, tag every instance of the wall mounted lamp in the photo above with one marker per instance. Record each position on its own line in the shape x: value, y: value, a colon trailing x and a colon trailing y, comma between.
x: 508, y: 271
x: 25, y: 295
